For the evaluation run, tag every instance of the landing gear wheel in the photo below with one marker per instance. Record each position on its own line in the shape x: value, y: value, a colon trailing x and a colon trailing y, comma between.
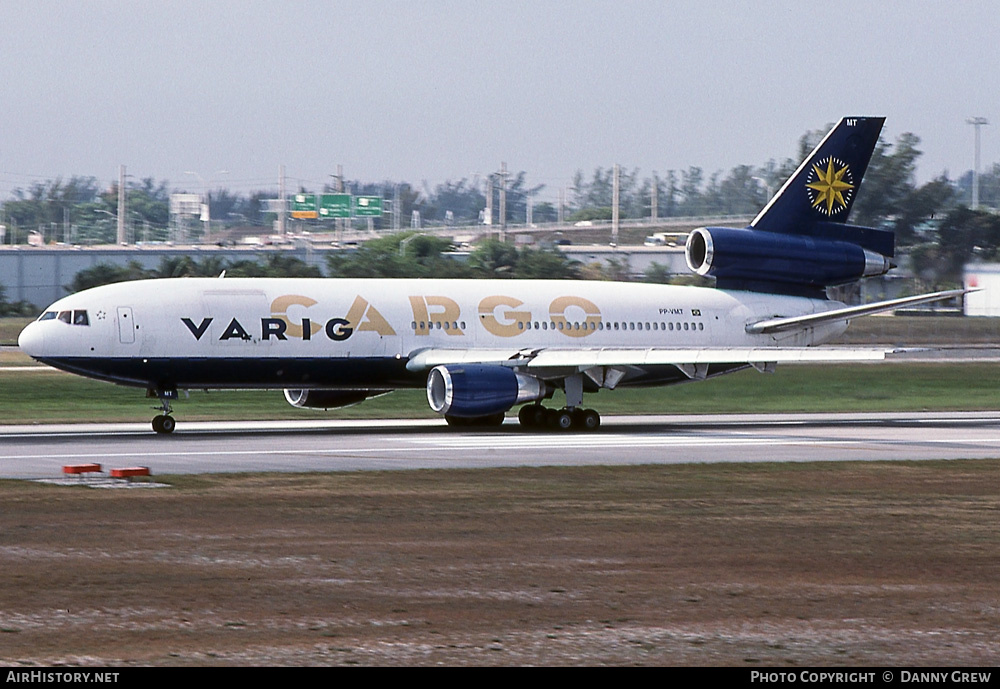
x: 561, y: 419
x: 588, y: 420
x: 164, y: 424
x: 531, y: 415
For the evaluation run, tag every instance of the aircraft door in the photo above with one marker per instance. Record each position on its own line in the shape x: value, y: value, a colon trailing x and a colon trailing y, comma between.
x: 126, y: 325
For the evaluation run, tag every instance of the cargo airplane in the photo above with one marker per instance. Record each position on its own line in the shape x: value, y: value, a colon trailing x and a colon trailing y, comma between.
x: 482, y: 347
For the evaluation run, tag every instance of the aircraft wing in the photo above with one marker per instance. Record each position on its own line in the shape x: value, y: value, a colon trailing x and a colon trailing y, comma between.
x: 582, y: 359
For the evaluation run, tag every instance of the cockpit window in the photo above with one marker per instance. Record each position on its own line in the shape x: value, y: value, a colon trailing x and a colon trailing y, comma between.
x: 78, y: 317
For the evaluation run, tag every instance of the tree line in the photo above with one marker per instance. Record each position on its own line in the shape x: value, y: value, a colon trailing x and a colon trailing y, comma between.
x: 80, y: 211
x: 932, y: 221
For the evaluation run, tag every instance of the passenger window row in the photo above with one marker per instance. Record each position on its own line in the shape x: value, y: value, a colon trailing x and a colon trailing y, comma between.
x: 560, y: 325
x: 446, y: 325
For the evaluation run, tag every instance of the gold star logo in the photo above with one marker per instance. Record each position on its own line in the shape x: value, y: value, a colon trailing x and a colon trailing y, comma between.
x: 830, y: 189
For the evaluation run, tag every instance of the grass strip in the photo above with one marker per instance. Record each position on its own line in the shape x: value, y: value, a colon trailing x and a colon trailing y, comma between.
x: 52, y: 397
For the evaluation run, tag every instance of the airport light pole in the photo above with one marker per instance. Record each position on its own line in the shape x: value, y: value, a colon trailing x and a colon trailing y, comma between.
x: 976, y: 122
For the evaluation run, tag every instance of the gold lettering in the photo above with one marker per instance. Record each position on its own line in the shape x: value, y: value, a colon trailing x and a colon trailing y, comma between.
x: 588, y: 325
x: 449, y: 311
x: 420, y: 316
x: 279, y: 309
x: 508, y: 328
x: 375, y: 321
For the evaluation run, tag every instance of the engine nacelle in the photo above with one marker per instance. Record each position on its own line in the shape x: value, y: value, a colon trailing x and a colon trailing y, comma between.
x: 328, y: 399
x: 747, y: 258
x: 467, y: 391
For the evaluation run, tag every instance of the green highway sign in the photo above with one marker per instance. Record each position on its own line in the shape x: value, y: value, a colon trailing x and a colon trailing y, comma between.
x: 335, y: 205
x: 367, y: 206
x: 303, y: 206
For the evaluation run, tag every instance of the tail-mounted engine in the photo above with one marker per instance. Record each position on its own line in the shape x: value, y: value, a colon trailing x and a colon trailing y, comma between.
x: 784, y: 263
x: 468, y: 391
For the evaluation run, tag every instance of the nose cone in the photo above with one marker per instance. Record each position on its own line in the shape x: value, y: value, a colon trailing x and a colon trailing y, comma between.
x: 32, y: 340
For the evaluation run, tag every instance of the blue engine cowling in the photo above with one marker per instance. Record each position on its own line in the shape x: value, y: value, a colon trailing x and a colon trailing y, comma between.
x: 473, y: 390
x: 754, y: 259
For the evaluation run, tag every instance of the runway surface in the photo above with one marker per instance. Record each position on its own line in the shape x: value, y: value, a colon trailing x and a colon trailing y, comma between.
x: 206, y: 447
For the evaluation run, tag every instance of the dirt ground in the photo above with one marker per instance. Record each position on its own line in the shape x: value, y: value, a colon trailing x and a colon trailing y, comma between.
x: 751, y: 566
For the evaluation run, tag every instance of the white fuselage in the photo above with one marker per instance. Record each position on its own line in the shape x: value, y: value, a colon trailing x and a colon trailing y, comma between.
x: 296, y: 332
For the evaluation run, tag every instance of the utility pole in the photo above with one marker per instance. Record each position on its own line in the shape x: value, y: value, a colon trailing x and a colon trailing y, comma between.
x: 281, y: 195
x: 396, y: 210
x: 560, y: 212
x: 976, y: 122
x: 488, y: 217
x: 652, y: 200
x: 121, y: 205
x: 503, y: 202
x: 614, y: 208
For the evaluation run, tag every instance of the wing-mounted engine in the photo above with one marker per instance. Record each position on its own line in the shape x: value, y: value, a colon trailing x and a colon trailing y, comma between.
x: 329, y: 399
x: 787, y: 263
x: 477, y: 390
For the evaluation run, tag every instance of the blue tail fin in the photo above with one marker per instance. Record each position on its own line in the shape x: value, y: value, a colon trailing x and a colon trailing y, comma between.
x: 817, y: 199
x: 801, y: 243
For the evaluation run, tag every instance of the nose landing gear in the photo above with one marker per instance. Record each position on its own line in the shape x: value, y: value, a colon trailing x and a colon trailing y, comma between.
x: 163, y: 423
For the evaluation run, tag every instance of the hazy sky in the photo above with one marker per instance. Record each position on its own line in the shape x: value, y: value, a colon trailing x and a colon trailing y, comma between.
x: 438, y: 90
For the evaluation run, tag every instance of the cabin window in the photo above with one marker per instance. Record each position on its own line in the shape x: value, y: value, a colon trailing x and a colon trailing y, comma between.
x: 81, y: 318
x: 66, y: 316
x: 47, y: 316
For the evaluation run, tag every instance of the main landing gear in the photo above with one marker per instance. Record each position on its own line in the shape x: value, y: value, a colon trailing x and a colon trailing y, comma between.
x: 571, y: 417
x: 565, y: 419
x: 164, y: 422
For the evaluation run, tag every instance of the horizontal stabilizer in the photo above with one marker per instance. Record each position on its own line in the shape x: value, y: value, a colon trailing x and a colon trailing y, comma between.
x: 796, y: 322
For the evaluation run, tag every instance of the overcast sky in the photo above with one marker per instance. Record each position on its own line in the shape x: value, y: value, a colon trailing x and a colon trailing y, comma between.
x: 438, y: 90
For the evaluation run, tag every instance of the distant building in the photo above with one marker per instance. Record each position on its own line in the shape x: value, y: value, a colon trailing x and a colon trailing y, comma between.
x: 986, y: 278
